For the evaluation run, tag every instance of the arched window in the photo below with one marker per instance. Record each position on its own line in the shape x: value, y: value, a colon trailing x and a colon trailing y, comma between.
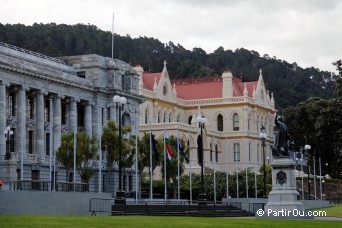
x: 159, y: 116
x: 249, y: 122
x: 220, y: 122
x: 189, y: 120
x: 236, y: 122
x: 211, y: 152
x: 257, y: 124
x: 164, y: 119
x: 249, y: 152
x: 147, y: 116
x: 236, y: 152
x: 216, y: 154
x: 178, y: 118
x: 170, y: 117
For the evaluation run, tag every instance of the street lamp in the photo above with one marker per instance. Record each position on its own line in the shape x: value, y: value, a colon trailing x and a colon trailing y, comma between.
x: 323, y: 181
x: 301, y: 170
x: 263, y: 137
x: 120, y: 195
x: 8, y: 133
x: 201, y: 121
x: 308, y: 147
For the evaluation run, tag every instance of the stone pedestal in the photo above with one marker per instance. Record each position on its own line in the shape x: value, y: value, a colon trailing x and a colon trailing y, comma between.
x: 283, y: 200
x: 8, y: 171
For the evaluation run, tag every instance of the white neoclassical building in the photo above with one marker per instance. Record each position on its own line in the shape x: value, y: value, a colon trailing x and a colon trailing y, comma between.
x: 42, y: 97
x: 235, y: 112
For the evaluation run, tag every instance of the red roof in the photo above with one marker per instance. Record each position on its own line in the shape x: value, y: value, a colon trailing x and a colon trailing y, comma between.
x: 148, y: 80
x: 203, y: 88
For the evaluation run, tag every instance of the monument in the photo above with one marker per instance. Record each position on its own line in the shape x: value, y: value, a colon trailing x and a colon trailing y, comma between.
x: 283, y: 200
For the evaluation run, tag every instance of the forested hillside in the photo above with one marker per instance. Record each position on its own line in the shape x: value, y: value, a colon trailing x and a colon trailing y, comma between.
x: 289, y: 82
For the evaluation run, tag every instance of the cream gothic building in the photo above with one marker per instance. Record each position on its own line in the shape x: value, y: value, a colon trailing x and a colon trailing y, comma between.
x: 235, y: 112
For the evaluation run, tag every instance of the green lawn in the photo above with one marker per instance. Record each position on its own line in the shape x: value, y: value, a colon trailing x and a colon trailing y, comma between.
x: 153, y: 221
x: 334, y: 211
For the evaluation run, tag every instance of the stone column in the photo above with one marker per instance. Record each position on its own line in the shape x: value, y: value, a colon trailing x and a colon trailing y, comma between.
x: 40, y: 125
x: 3, y: 116
x: 88, y: 118
x: 57, y: 125
x: 21, y: 128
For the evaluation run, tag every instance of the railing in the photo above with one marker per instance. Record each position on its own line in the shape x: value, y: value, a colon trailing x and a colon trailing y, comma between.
x: 32, y: 53
x: 171, y: 207
x: 72, y: 187
x: 30, y: 185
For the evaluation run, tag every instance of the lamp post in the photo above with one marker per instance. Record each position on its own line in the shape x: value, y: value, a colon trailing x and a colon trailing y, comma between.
x: 201, y: 121
x: 323, y: 181
x: 308, y: 147
x: 263, y: 137
x: 120, y: 195
x: 8, y: 133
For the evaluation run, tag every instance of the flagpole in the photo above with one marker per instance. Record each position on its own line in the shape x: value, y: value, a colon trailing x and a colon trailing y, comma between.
x: 113, y: 37
x: 178, y: 142
x: 247, y: 182
x: 215, y: 176
x: 165, y: 196
x: 136, y: 156
x: 237, y: 174
x: 151, y: 176
x: 100, y: 152
x: 227, y: 174
x: 190, y: 169
x: 255, y: 181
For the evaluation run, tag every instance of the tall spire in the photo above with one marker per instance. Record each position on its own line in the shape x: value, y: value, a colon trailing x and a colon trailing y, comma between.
x: 254, y: 92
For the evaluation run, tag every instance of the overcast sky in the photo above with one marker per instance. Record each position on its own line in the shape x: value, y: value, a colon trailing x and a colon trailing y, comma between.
x: 308, y: 32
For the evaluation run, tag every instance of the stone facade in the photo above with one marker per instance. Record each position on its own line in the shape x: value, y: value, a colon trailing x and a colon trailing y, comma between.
x: 235, y: 112
x: 41, y: 98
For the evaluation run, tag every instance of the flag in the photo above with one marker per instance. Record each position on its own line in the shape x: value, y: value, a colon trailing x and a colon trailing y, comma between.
x: 154, y: 147
x: 182, y: 151
x: 168, y: 148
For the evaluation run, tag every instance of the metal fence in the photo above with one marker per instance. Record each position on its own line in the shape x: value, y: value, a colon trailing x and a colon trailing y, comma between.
x: 38, y: 185
x: 170, y: 207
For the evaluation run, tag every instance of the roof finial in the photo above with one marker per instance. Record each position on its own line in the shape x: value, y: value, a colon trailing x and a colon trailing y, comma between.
x: 155, y: 83
x: 245, y: 91
x: 164, y: 64
x: 260, y: 72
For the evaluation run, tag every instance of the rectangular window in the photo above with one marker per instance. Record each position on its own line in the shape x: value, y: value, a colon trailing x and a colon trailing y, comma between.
x: 47, y: 143
x: 80, y: 115
x: 216, y: 156
x: 35, y: 178
x: 12, y: 104
x: 108, y: 113
x: 102, y: 116
x: 236, y: 152
x: 30, y: 107
x: 30, y: 144
x: 63, y: 113
x: 47, y: 111
x: 249, y: 152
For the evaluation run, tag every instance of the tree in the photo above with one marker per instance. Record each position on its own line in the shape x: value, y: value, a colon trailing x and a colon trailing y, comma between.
x: 65, y: 153
x: 85, y: 154
x: 110, y: 144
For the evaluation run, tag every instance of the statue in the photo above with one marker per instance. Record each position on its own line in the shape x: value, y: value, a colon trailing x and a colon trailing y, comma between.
x: 280, y: 147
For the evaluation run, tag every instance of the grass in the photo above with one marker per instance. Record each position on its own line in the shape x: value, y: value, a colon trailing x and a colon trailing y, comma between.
x: 153, y: 221
x: 334, y: 211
